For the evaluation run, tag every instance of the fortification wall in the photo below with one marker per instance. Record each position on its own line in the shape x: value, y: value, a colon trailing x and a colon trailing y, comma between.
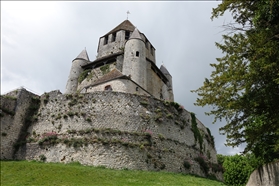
x: 15, y: 107
x: 117, y: 130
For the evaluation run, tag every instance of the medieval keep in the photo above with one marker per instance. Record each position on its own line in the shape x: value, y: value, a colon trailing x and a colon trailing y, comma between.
x: 117, y: 111
x: 125, y: 63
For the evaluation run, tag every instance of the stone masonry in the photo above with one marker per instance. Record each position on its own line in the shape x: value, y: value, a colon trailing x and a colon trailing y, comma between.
x: 112, y: 129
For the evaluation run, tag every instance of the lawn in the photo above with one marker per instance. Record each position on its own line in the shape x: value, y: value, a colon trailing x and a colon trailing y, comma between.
x: 38, y: 173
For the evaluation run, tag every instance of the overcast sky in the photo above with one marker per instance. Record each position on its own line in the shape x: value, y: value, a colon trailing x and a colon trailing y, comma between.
x: 39, y: 40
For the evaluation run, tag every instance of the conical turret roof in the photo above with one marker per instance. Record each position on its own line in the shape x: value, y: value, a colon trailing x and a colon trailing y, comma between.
x: 125, y: 25
x: 164, y: 70
x: 135, y: 34
x: 83, y: 55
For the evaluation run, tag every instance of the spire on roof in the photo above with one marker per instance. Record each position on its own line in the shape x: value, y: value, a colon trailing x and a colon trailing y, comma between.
x: 125, y: 25
x: 128, y: 13
x: 135, y: 34
x: 83, y: 55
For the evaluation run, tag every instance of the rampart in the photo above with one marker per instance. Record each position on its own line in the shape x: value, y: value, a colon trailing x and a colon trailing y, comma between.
x: 112, y: 129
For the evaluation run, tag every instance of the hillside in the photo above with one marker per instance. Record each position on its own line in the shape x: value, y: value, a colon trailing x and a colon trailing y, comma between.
x: 36, y: 173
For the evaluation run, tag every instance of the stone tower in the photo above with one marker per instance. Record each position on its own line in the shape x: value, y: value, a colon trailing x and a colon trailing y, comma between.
x: 134, y: 64
x: 76, y: 70
x: 125, y: 62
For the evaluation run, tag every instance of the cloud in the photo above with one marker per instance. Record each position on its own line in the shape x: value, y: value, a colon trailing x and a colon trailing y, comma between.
x: 40, y: 40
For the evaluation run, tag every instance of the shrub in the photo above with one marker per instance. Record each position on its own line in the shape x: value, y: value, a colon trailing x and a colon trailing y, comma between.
x: 83, y: 75
x: 42, y: 157
x: 69, y: 96
x: 237, y: 170
x: 203, y: 164
x: 12, y: 113
x: 161, y: 137
x: 144, y: 103
x: 70, y: 114
x: 170, y: 116
x: 73, y: 102
x: 105, y: 69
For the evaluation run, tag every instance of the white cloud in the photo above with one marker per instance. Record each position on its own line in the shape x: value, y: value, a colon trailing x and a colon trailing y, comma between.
x: 40, y: 40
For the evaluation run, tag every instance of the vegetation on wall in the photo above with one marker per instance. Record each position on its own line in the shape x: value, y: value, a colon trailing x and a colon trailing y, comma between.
x: 12, y: 113
x: 83, y: 75
x: 2, y: 107
x: 196, y: 131
x: 105, y: 69
x: 210, y: 138
x: 46, y: 98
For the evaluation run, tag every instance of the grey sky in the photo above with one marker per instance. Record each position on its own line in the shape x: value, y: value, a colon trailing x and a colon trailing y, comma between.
x: 40, y: 40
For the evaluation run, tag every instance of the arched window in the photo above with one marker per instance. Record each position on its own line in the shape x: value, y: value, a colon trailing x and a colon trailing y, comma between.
x: 108, y: 88
x: 137, y: 53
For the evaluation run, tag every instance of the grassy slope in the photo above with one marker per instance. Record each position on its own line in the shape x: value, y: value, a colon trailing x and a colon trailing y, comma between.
x: 35, y: 173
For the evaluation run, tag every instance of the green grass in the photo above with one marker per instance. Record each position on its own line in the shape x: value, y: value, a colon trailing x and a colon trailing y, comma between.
x: 36, y: 173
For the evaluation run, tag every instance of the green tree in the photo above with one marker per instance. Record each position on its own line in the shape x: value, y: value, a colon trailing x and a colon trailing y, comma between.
x: 237, y: 170
x: 243, y: 88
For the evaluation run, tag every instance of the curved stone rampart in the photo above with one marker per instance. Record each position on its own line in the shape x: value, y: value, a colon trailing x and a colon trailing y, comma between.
x: 117, y: 130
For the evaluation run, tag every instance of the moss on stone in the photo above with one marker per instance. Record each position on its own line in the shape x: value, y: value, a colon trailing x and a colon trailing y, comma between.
x: 104, y: 69
x: 196, y: 130
x: 83, y: 75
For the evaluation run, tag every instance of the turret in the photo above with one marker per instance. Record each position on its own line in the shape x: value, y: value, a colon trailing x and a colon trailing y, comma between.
x: 134, y: 64
x: 76, y: 70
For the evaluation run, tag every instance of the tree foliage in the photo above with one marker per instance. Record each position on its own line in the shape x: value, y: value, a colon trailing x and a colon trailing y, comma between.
x: 237, y: 169
x: 244, y: 85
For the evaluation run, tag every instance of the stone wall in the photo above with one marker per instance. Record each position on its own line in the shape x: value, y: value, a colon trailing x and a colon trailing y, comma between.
x: 156, y: 86
x: 15, y: 107
x: 119, y: 85
x: 112, y: 46
x: 117, y: 130
x: 96, y: 74
x: 266, y: 175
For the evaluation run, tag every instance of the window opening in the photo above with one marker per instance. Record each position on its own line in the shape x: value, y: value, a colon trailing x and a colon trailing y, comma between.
x: 108, y: 88
x: 106, y: 40
x: 127, y: 35
x: 137, y: 53
x: 151, y: 50
x: 113, y: 37
x: 137, y: 88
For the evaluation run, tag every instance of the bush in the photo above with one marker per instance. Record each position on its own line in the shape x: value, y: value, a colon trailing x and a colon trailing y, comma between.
x: 203, y: 164
x: 237, y: 170
x: 42, y: 157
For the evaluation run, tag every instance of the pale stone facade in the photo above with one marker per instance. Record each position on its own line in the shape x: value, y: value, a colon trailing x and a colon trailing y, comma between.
x: 130, y: 52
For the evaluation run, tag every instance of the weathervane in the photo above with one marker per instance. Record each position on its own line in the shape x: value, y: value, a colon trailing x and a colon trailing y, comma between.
x: 128, y: 14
